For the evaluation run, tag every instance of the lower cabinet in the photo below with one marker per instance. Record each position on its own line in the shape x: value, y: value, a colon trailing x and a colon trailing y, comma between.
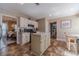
x: 39, y: 44
x: 25, y: 38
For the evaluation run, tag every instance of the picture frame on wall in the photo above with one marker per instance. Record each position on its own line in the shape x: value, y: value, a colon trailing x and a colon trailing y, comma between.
x: 65, y: 24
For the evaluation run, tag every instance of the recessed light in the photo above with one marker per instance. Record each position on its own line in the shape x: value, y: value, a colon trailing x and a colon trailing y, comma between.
x: 50, y: 15
x: 21, y: 3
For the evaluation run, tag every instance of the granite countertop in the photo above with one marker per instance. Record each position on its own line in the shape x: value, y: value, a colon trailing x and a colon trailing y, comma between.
x: 38, y: 33
x: 74, y: 35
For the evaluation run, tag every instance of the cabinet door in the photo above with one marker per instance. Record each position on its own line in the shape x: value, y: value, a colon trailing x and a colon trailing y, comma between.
x: 43, y: 43
x: 47, y: 41
x: 21, y: 22
x: 25, y: 38
x: 35, y: 44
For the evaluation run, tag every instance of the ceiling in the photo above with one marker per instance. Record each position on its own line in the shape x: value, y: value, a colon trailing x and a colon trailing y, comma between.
x: 51, y: 10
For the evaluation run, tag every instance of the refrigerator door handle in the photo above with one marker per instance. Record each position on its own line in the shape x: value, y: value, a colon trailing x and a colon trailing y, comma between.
x: 0, y: 32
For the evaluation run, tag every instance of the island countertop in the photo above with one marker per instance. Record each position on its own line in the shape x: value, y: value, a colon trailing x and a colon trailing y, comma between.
x: 74, y: 35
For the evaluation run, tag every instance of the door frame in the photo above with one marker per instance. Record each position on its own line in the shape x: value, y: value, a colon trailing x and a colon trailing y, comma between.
x: 11, y: 17
x: 51, y: 28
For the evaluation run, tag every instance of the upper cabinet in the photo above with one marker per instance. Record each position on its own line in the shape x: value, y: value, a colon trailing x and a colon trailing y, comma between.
x: 24, y: 22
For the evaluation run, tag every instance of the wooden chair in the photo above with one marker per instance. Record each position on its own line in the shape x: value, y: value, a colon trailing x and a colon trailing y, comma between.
x: 71, y: 43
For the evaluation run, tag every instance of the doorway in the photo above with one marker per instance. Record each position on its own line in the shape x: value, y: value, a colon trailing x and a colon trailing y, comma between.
x: 53, y: 30
x: 10, y: 31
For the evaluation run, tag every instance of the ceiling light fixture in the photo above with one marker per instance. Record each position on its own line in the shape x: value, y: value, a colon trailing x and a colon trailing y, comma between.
x: 21, y: 3
x: 37, y: 4
x: 50, y: 15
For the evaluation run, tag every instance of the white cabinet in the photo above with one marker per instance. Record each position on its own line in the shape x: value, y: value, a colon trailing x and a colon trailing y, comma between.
x: 25, y: 38
x: 24, y: 24
x: 39, y: 43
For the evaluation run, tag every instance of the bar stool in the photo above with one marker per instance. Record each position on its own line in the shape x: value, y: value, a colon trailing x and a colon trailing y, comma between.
x: 71, y: 43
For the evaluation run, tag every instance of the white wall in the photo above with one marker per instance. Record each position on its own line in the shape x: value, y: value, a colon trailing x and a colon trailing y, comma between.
x: 43, y: 25
x: 72, y: 30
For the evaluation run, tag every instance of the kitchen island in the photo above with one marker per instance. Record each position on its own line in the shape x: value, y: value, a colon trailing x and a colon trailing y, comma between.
x: 40, y: 42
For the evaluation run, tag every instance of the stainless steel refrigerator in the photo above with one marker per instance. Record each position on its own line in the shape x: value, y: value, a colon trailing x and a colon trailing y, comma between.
x: 0, y: 35
x: 3, y: 35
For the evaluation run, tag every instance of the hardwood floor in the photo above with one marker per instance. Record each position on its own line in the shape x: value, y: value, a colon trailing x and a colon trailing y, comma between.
x: 16, y: 50
x: 55, y: 49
